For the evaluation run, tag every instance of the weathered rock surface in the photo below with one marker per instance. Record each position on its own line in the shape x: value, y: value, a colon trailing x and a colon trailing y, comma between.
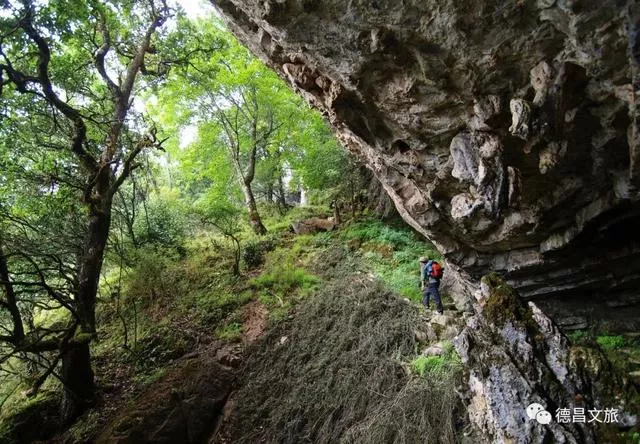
x: 313, y: 225
x: 517, y: 356
x: 506, y: 132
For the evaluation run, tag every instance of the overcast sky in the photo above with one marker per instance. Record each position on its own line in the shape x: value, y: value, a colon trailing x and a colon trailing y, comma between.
x: 196, y: 8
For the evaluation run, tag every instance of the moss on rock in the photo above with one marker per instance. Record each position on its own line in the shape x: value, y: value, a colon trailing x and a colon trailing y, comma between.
x: 502, y: 302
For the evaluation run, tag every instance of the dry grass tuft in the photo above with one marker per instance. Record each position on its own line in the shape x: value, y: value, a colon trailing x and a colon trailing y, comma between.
x: 342, y: 374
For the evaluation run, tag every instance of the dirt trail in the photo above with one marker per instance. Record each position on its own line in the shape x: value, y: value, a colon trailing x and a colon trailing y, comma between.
x: 255, y: 321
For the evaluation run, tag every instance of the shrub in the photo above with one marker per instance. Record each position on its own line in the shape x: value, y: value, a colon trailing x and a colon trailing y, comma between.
x: 380, y: 233
x: 578, y: 336
x: 252, y: 255
x: 154, y: 276
x: 163, y: 225
x: 253, y: 252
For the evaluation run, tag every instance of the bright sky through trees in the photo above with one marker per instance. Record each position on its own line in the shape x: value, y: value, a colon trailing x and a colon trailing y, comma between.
x: 196, y: 8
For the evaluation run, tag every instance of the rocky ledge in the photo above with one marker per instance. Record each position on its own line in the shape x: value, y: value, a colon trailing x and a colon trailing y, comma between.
x: 519, y: 364
x: 505, y: 132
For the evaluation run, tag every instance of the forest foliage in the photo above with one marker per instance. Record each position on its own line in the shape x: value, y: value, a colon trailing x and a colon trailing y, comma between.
x: 129, y: 131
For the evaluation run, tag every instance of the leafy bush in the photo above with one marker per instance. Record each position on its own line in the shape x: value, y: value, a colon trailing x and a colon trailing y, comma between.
x: 253, y: 252
x: 383, y: 234
x: 154, y: 276
x: 578, y: 336
x: 252, y: 255
x: 610, y: 342
x: 163, y: 224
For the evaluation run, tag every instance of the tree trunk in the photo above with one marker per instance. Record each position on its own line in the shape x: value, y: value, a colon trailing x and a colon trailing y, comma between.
x: 237, y: 252
x: 282, y: 201
x: 89, y: 270
x: 79, y: 389
x: 269, y: 192
x: 77, y: 374
x: 254, y: 217
x: 336, y: 212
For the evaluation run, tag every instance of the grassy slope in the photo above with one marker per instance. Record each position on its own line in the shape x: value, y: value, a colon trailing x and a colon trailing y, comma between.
x: 348, y: 355
x: 173, y: 305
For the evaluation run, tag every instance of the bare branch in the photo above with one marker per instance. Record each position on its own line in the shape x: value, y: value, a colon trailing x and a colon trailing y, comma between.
x: 101, y: 53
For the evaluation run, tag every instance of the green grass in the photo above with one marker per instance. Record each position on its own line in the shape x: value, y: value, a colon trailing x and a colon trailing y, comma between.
x: 230, y: 332
x: 607, y: 342
x: 283, y: 282
x: 146, y: 379
x: 437, y: 366
x: 630, y: 437
x: 424, y: 365
x: 581, y: 337
x: 372, y: 230
x: 392, y: 253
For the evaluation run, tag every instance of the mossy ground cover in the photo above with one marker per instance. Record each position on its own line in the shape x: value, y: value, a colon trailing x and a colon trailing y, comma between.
x: 623, y: 355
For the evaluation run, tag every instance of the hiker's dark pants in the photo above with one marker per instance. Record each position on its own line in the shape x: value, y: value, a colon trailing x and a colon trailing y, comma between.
x: 432, y: 290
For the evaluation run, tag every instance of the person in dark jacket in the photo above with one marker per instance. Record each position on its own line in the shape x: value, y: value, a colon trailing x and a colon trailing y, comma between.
x: 429, y: 284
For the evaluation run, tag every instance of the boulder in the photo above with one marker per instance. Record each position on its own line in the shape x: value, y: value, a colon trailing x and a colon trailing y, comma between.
x: 313, y: 225
x: 184, y: 406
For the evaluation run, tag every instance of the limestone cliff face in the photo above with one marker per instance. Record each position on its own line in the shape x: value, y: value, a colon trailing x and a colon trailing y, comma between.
x: 505, y: 132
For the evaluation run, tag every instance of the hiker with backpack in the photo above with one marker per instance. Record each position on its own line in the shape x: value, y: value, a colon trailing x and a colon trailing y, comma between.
x: 430, y: 275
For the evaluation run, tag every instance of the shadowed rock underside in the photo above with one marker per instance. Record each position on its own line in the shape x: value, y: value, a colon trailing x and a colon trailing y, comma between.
x: 505, y: 132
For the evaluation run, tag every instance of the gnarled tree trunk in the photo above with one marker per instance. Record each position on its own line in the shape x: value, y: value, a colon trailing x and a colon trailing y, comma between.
x: 77, y: 374
x: 79, y: 387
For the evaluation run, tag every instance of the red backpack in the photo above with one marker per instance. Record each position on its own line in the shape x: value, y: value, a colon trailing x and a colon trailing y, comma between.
x: 436, y: 270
